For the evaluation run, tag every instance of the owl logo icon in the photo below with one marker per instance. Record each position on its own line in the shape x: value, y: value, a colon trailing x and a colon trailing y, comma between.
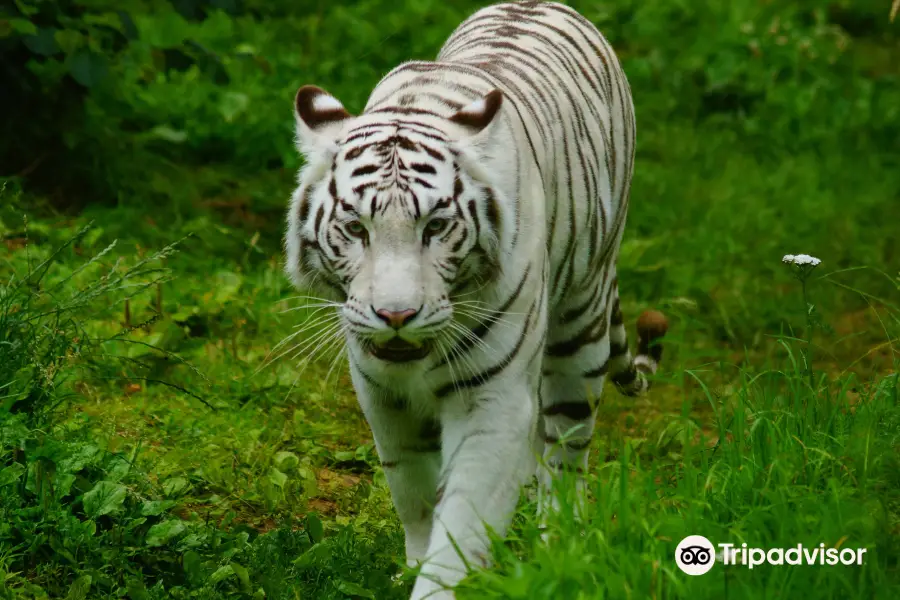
x: 695, y: 555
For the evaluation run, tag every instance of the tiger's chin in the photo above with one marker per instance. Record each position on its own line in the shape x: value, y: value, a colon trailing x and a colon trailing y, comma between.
x: 397, y: 350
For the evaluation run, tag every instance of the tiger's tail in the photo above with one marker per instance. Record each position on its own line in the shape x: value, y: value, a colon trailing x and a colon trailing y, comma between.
x: 630, y: 373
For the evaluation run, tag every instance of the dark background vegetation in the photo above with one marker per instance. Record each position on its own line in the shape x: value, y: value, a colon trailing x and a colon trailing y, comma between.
x: 765, y: 127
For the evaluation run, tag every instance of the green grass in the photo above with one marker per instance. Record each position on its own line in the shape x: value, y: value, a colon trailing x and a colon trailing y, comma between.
x: 154, y: 452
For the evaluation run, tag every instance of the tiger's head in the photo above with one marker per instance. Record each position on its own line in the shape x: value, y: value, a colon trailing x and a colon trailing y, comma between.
x: 395, y: 219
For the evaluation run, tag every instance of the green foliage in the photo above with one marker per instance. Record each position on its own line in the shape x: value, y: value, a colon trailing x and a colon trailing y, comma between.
x: 777, y: 475
x: 157, y: 451
x: 109, y: 93
x: 84, y: 519
x: 75, y: 74
x: 42, y: 316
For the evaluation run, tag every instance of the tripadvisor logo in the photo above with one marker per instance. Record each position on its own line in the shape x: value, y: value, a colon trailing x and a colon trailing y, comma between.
x: 696, y: 555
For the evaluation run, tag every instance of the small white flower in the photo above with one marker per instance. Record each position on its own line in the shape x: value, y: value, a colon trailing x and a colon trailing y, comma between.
x: 801, y: 260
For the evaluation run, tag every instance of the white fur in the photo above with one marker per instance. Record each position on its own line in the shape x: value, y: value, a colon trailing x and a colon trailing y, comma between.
x: 324, y: 102
x: 476, y: 108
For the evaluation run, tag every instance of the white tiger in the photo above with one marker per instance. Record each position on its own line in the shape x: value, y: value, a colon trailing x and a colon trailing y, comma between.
x: 467, y: 225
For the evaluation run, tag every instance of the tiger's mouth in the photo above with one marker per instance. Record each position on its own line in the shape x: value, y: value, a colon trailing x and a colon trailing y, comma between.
x: 397, y: 350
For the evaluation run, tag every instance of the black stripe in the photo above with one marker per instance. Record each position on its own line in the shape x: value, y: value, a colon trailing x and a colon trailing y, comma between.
x: 424, y: 447
x: 404, y: 110
x: 595, y: 331
x: 616, y: 317
x: 422, y: 182
x: 320, y: 214
x: 364, y: 170
x: 590, y: 300
x: 578, y: 444
x: 476, y: 218
x: 430, y: 430
x: 617, y: 349
x: 626, y: 377
x: 433, y: 153
x: 305, y: 203
x: 577, y: 410
x: 355, y: 152
x: 358, y: 190
x: 492, y: 210
x: 597, y: 372
x: 423, y: 168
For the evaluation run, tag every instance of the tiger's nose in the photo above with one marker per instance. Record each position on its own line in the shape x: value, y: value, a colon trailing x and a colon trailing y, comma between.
x: 396, y: 318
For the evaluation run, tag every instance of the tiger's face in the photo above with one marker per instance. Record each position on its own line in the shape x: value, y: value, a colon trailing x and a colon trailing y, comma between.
x: 387, y: 222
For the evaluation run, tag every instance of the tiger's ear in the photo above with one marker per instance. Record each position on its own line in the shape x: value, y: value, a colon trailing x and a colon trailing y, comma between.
x: 479, y: 141
x: 476, y: 117
x: 319, y: 117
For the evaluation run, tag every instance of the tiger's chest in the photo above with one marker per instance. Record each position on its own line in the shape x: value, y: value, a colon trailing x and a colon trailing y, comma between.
x: 414, y: 387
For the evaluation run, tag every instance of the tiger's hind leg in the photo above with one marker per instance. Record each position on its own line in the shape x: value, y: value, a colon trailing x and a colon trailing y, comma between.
x: 579, y: 357
x: 570, y: 388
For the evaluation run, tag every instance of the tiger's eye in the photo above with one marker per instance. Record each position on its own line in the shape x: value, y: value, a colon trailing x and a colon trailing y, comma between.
x: 356, y: 228
x: 436, y: 226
